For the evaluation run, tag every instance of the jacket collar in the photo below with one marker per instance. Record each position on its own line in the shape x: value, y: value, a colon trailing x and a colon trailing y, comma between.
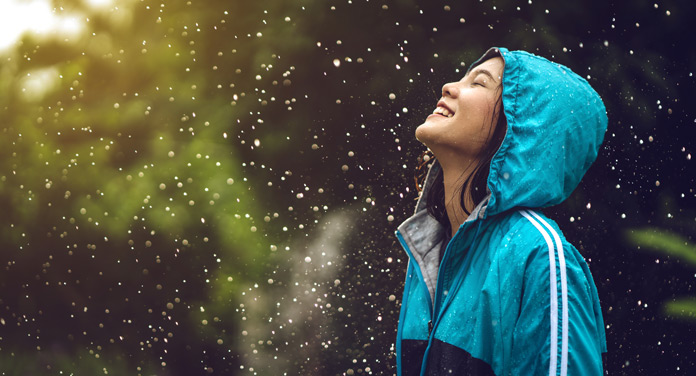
x: 423, y: 235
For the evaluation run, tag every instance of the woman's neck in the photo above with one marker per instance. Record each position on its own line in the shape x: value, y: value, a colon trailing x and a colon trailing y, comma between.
x: 453, y: 178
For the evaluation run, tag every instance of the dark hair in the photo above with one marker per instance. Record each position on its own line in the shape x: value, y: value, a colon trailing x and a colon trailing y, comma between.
x: 476, y: 181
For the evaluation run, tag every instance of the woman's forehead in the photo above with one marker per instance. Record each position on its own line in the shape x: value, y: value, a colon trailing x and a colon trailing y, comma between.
x: 493, y: 67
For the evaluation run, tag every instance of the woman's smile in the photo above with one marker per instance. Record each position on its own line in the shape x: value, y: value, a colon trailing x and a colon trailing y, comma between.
x: 439, y: 115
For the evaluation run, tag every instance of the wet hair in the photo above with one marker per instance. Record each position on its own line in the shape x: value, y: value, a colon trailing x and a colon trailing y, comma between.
x: 476, y: 181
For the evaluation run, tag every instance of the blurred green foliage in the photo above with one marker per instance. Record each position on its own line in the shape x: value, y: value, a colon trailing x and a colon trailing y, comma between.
x: 121, y: 200
x: 664, y: 242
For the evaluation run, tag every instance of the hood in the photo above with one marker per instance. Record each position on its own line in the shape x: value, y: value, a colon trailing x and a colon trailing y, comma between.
x: 555, y: 125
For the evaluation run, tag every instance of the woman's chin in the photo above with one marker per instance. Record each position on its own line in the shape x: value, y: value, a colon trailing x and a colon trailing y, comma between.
x: 426, y: 132
x: 421, y: 133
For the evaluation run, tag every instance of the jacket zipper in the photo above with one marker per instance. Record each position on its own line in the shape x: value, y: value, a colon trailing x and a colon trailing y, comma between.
x: 433, y: 305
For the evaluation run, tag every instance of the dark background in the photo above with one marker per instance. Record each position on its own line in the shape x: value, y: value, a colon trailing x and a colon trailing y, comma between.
x: 211, y: 187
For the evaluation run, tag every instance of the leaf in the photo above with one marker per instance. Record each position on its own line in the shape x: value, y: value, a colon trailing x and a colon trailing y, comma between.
x: 684, y: 308
x: 663, y: 241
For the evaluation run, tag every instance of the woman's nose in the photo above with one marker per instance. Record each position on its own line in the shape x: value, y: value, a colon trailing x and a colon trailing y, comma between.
x: 450, y: 90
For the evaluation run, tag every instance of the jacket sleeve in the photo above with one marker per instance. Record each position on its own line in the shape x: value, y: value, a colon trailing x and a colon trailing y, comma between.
x: 559, y: 330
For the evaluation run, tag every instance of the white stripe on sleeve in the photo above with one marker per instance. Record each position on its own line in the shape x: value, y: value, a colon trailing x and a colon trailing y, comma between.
x: 553, y: 337
x: 564, y: 294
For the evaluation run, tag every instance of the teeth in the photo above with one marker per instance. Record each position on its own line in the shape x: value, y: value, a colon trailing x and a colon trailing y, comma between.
x: 443, y: 111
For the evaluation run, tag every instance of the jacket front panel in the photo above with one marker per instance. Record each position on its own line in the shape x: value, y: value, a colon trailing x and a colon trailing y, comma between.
x: 496, y: 313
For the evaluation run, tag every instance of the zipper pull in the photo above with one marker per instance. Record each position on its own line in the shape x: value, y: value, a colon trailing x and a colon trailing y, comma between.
x: 430, y: 327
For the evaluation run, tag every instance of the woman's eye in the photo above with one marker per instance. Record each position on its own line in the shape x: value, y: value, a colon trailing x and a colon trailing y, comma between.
x: 479, y: 84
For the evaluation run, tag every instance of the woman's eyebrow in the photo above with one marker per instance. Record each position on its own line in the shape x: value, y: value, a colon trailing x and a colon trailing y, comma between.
x: 483, y: 71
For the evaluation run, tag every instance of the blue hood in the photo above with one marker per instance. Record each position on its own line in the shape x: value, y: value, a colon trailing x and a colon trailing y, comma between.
x: 555, y: 125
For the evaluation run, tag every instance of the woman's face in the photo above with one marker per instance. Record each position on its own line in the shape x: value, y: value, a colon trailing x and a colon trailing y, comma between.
x: 463, y: 119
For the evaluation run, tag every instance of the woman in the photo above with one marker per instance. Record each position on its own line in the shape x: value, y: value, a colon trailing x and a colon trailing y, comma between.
x: 492, y: 285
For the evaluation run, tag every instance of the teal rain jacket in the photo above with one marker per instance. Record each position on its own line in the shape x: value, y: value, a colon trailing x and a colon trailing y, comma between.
x: 511, y: 296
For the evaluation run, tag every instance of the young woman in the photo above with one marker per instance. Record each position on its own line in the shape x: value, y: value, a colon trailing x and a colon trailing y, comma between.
x: 492, y: 286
